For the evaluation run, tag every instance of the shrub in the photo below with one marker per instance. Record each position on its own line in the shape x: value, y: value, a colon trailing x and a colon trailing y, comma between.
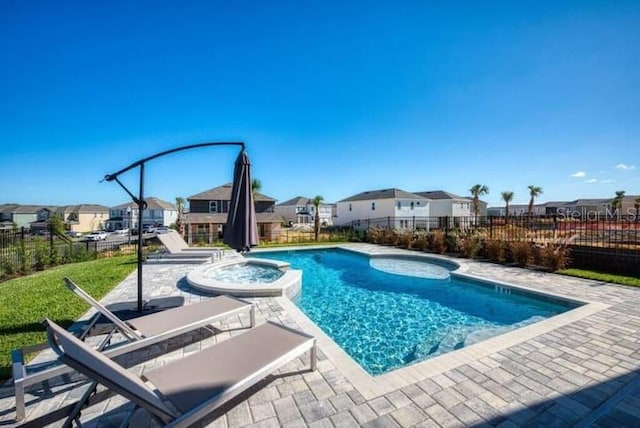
x: 24, y: 257
x: 41, y: 254
x: 390, y: 237
x: 494, y: 250
x: 452, y: 243
x: 520, y: 252
x: 436, y: 242
x: 405, y: 239
x: 421, y: 242
x: 375, y: 235
x: 555, y: 256
x: 54, y: 256
x: 471, y: 246
x: 8, y: 267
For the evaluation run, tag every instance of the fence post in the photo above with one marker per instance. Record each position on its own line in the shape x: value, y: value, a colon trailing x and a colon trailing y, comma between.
x: 446, y: 226
x: 490, y: 227
x: 51, y: 247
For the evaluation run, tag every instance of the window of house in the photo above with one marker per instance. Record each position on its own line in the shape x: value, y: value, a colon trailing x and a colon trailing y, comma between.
x: 411, y: 205
x: 213, y: 206
x: 349, y: 207
x: 373, y: 206
x: 399, y: 205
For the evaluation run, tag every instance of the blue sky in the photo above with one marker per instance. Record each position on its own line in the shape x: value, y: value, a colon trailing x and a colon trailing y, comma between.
x: 331, y: 98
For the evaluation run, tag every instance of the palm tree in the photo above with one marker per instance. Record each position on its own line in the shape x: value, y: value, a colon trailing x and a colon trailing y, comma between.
x: 476, y: 191
x: 616, y: 203
x: 316, y: 221
x: 534, y: 192
x: 256, y: 186
x: 180, y: 202
x: 506, y: 197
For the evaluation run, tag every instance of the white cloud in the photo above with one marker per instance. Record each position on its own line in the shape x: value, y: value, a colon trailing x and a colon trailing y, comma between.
x: 625, y: 166
x: 608, y: 180
x: 579, y: 174
x: 591, y: 180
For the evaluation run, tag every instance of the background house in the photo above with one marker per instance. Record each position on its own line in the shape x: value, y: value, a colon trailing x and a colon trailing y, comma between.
x: 393, y: 208
x: 447, y: 204
x: 208, y: 211
x: 24, y: 215
x: 83, y: 218
x: 586, y: 208
x: 301, y: 210
x: 157, y: 213
x: 517, y: 210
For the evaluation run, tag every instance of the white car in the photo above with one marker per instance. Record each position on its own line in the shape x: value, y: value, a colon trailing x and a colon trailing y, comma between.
x: 99, y: 235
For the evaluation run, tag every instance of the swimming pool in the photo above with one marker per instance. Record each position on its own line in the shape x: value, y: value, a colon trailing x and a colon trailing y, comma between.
x: 386, y: 320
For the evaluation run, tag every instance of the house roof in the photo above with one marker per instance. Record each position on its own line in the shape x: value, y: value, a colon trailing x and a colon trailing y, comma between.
x: 153, y: 203
x: 298, y: 200
x: 555, y: 203
x: 382, y: 194
x: 589, y: 201
x: 29, y: 209
x: 438, y: 194
x: 82, y: 208
x: 7, y: 208
x: 221, y: 218
x: 223, y: 193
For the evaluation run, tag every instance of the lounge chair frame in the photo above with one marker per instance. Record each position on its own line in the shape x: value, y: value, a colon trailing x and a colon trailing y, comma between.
x: 135, y: 341
x: 153, y: 401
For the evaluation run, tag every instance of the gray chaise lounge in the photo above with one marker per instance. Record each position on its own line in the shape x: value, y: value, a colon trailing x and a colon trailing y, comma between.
x: 139, y: 332
x: 188, y: 389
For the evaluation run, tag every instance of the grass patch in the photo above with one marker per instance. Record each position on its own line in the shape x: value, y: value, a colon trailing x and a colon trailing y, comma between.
x: 599, y: 276
x: 27, y: 300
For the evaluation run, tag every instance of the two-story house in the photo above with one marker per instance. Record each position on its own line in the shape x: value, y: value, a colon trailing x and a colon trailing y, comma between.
x: 447, y: 204
x: 301, y: 210
x: 157, y: 213
x: 389, y: 208
x: 208, y: 212
x: 83, y: 218
x: 24, y: 215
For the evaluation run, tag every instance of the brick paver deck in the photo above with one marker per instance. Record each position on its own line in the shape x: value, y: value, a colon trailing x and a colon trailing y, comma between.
x: 581, y: 371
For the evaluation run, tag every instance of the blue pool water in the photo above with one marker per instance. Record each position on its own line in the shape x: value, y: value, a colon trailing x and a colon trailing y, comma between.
x: 246, y: 273
x: 387, y: 320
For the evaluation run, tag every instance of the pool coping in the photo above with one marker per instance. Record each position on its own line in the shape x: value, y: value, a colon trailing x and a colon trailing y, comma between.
x: 286, y: 285
x: 373, y: 386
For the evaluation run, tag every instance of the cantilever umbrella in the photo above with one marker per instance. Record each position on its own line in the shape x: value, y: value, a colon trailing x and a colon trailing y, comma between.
x: 241, y: 231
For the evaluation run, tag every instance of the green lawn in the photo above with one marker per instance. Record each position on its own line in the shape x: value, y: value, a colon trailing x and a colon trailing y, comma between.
x: 598, y: 276
x: 27, y: 300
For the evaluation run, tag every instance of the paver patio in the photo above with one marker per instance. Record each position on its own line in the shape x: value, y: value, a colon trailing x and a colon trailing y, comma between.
x: 582, y: 373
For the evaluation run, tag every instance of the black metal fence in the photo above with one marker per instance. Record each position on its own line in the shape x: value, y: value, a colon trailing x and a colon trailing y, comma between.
x: 284, y: 236
x: 22, y: 252
x: 615, y: 232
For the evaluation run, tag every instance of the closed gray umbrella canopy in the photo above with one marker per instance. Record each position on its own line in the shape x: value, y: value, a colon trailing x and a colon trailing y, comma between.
x: 241, y: 231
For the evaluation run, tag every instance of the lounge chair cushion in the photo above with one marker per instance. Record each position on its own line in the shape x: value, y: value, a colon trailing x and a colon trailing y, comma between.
x: 200, y: 376
x: 184, y: 316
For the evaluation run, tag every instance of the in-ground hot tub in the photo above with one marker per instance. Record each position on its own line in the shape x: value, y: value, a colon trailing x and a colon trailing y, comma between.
x: 247, y: 277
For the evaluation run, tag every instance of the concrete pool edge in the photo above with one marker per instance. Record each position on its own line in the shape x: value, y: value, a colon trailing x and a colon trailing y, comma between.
x: 373, y: 386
